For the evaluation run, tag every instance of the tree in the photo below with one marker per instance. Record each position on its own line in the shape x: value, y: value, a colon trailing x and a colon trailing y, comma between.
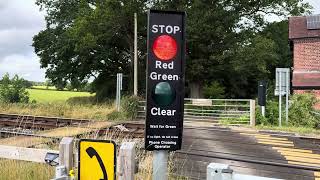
x: 94, y: 38
x: 278, y: 32
x: 87, y: 39
x: 13, y: 90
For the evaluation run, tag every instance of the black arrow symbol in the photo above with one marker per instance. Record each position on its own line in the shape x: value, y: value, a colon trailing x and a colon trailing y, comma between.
x: 92, y: 152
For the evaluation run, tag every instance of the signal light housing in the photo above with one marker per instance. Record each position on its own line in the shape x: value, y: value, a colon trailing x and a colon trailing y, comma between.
x: 165, y: 80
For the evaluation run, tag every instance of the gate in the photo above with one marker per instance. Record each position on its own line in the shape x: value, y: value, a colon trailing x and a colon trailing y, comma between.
x: 216, y: 111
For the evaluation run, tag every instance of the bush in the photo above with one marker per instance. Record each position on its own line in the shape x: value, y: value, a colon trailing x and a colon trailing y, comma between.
x: 272, y: 114
x: 130, y: 106
x: 214, y: 91
x: 115, y: 115
x: 300, y: 111
x: 90, y: 100
x: 13, y: 90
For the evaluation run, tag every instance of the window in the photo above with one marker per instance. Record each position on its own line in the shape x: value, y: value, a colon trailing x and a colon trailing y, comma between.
x: 313, y: 22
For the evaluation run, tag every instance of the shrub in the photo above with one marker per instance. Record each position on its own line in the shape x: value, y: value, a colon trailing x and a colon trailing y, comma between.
x: 115, y: 115
x: 90, y: 100
x: 272, y: 114
x: 130, y: 106
x: 300, y: 111
x: 214, y: 91
x: 13, y: 90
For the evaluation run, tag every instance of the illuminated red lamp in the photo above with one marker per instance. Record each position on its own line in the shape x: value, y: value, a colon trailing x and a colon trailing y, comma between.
x: 165, y: 47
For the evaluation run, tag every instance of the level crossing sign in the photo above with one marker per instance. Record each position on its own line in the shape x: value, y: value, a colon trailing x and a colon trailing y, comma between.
x: 97, y: 160
x: 165, y: 80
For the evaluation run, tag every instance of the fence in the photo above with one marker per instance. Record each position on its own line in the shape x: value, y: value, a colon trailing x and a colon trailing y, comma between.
x: 66, y: 160
x: 217, y: 111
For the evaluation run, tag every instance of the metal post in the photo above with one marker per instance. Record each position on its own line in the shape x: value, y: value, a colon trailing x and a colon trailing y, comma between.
x: 287, y: 96
x: 135, y: 82
x: 263, y: 111
x: 117, y: 94
x: 119, y: 88
x: 160, y: 165
x: 280, y: 97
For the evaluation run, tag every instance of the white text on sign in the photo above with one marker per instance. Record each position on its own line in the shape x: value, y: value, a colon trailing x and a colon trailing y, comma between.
x: 165, y: 29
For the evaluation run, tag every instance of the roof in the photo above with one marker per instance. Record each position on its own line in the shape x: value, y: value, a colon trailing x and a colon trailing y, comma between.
x: 298, y: 28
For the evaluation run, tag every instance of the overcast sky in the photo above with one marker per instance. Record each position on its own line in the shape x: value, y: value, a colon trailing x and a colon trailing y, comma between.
x: 20, y: 20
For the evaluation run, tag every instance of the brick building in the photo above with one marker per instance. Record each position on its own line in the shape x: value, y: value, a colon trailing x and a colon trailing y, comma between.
x: 304, y: 35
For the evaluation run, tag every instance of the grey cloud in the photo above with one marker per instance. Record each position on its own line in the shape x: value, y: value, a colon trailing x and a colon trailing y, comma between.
x: 16, y: 41
x: 3, y: 4
x: 20, y: 20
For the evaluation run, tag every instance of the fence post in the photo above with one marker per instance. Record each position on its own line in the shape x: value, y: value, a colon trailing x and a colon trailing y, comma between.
x: 66, y: 153
x: 252, y: 112
x: 126, y: 162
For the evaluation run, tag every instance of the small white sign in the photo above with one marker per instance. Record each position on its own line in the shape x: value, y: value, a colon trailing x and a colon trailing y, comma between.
x: 282, y: 81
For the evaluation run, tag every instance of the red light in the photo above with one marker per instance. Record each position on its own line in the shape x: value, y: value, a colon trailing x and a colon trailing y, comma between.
x: 165, y: 47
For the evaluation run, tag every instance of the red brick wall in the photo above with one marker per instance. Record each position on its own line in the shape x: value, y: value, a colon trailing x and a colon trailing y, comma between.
x: 307, y: 54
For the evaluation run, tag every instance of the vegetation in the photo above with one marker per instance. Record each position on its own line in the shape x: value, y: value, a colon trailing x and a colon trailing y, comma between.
x: 300, y: 130
x: 53, y: 96
x: 12, y: 169
x: 95, y: 112
x: 214, y: 91
x: 13, y: 90
x: 300, y: 112
x: 130, y: 105
x: 228, y: 42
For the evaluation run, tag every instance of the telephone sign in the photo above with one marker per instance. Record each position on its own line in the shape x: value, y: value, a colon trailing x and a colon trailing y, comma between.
x: 165, y: 80
x: 97, y: 160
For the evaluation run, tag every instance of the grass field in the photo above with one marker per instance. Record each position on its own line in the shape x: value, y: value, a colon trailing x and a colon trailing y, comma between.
x: 52, y: 96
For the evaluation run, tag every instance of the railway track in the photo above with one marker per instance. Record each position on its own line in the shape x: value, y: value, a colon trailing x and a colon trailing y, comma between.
x: 262, y: 153
x: 37, y: 122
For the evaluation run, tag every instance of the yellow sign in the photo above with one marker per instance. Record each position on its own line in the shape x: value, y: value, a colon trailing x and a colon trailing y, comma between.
x: 97, y: 160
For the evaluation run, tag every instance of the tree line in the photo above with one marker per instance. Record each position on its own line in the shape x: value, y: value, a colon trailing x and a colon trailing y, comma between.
x: 230, y: 43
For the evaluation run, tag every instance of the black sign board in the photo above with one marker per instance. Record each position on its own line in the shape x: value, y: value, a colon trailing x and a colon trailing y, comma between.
x: 165, y: 80
x: 262, y: 93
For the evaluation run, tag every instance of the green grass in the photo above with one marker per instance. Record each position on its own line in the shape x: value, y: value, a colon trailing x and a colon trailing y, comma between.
x: 52, y: 96
x: 94, y: 112
x: 291, y: 129
x: 12, y: 169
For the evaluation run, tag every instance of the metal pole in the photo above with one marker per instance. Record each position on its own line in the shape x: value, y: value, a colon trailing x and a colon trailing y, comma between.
x: 120, y: 88
x: 135, y: 82
x: 117, y: 93
x: 280, y: 97
x: 160, y: 165
x: 263, y: 111
x: 287, y: 96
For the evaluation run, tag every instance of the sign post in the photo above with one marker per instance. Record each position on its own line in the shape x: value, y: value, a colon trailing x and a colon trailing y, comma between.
x: 119, y: 89
x: 262, y: 96
x: 165, y: 86
x: 283, y: 88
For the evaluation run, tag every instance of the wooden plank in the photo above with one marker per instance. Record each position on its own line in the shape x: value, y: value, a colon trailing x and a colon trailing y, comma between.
x: 252, y: 113
x: 24, y: 154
